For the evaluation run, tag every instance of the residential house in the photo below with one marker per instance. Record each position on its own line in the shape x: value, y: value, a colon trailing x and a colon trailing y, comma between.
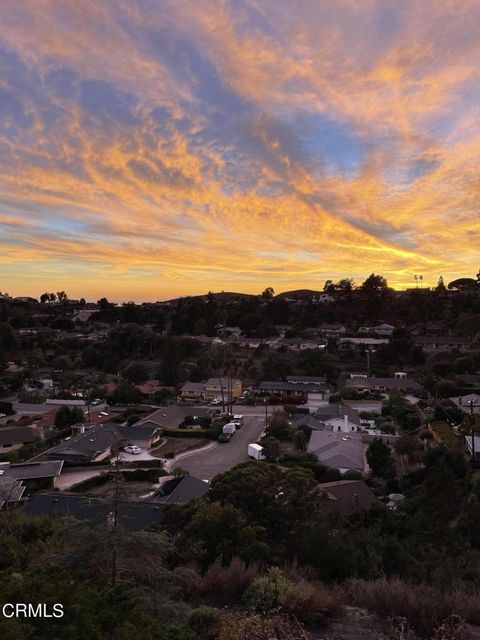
x: 302, y: 344
x: 338, y: 450
x: 290, y: 389
x: 466, y: 402
x: 442, y: 343
x: 149, y: 388
x: 308, y: 380
x: 144, y: 436
x: 192, y: 391
x: 83, y: 315
x: 309, y: 421
x: 11, y: 490
x: 338, y: 410
x: 94, y: 445
x: 44, y: 474
x: 332, y: 330
x: 132, y: 515
x: 173, y: 416
x: 349, y: 496
x: 12, y: 438
x: 359, y: 344
x: 380, y: 329
x: 222, y: 387
x: 174, y: 490
x: 397, y: 383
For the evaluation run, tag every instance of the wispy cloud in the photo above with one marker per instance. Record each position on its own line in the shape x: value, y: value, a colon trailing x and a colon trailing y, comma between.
x: 217, y: 144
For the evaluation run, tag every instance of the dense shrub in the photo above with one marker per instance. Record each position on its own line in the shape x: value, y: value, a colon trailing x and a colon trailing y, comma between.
x: 205, y: 621
x: 265, y: 592
x: 227, y: 582
x: 308, y: 602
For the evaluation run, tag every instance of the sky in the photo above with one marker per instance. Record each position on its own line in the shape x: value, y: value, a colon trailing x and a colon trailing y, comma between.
x: 156, y: 148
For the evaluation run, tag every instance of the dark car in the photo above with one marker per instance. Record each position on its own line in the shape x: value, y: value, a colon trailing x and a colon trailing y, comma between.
x: 224, y: 437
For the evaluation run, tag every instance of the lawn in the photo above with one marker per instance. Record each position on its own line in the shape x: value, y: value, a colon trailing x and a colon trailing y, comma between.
x: 446, y: 435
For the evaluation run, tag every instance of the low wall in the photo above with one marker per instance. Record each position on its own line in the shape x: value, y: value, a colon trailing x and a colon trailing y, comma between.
x: 66, y: 403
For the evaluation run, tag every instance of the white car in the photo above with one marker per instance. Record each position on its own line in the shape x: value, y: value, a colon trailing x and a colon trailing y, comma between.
x: 132, y: 448
x: 215, y: 402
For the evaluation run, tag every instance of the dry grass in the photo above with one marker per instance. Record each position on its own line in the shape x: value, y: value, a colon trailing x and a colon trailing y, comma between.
x: 227, y: 583
x: 424, y: 606
x: 309, y: 602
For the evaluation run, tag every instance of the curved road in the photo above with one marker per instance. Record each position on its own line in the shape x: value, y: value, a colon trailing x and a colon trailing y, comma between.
x: 207, y: 464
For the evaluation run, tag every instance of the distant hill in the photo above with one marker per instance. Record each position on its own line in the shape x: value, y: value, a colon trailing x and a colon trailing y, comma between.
x: 223, y: 296
x: 299, y: 294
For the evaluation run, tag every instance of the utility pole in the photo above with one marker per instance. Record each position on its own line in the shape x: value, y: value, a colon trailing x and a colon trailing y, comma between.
x: 472, y: 426
x: 266, y: 412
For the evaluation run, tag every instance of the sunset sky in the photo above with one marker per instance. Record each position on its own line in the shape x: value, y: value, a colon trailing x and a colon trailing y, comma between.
x: 154, y: 148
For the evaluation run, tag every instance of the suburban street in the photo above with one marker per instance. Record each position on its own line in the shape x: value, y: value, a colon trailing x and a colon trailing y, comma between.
x: 223, y: 456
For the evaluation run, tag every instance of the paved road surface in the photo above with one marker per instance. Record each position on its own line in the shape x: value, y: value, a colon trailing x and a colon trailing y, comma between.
x: 206, y: 465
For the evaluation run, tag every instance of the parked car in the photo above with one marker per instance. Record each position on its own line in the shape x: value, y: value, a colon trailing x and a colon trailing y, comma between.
x: 215, y: 402
x: 238, y: 420
x: 96, y: 402
x: 132, y: 448
x: 224, y: 437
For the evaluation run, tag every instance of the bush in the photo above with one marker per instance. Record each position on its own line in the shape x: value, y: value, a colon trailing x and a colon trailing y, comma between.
x: 308, y: 602
x: 226, y: 583
x: 424, y: 606
x: 143, y: 475
x: 205, y: 621
x: 265, y: 591
x: 90, y: 483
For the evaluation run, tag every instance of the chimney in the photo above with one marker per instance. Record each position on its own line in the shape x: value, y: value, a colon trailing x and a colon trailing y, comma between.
x: 345, y: 423
x: 356, y: 502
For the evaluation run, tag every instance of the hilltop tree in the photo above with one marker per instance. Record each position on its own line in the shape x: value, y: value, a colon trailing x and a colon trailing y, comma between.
x: 375, y: 285
x: 268, y: 293
x: 440, y: 288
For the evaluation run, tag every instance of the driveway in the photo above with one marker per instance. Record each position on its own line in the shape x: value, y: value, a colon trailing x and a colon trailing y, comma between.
x: 205, y: 465
x: 68, y: 478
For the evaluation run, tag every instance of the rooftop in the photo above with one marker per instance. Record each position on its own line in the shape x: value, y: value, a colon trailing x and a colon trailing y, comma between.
x: 134, y: 516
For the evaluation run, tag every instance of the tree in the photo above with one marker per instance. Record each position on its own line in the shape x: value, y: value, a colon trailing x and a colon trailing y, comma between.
x: 440, y: 288
x: 268, y: 293
x: 8, y: 337
x: 126, y: 393
x: 62, y: 296
x: 300, y: 439
x: 374, y: 285
x: 278, y: 426
x: 135, y: 372
x: 379, y: 459
x: 66, y: 416
x: 463, y: 284
x: 345, y: 287
x: 271, y: 447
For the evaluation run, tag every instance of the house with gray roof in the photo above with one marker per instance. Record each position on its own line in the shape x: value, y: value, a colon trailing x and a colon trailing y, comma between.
x: 173, y: 490
x: 12, y: 438
x: 349, y: 496
x: 134, y: 516
x: 344, y: 451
